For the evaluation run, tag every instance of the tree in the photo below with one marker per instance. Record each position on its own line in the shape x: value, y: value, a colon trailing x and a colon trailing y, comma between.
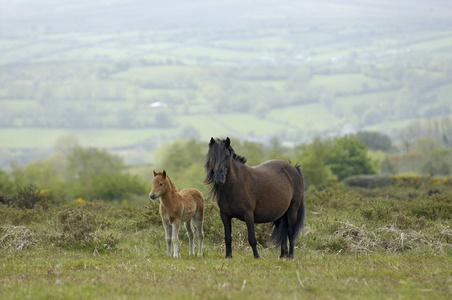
x: 375, y: 140
x: 115, y: 186
x: 276, y: 151
x: 83, y: 163
x: 348, y: 157
x: 386, y: 166
x: 254, y: 152
x: 67, y: 143
x: 427, y: 145
x: 312, y: 158
x: 179, y: 154
x: 39, y: 173
x: 439, y: 162
x: 6, y: 185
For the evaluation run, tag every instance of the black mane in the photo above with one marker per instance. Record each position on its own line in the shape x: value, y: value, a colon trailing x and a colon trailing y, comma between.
x: 217, y: 147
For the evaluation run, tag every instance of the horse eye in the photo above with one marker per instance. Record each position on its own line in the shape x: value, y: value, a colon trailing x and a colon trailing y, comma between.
x: 161, y: 184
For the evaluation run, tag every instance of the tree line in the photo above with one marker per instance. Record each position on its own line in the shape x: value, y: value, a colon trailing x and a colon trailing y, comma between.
x: 91, y: 173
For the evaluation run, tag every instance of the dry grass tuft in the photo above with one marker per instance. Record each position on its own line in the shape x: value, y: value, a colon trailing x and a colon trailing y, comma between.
x: 391, y: 238
x: 17, y: 238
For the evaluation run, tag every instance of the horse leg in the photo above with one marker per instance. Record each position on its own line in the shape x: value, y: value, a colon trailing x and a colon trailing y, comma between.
x: 227, y: 223
x: 284, y: 252
x: 168, y: 230
x: 189, y: 228
x: 199, y: 231
x: 249, y: 220
x: 291, y: 220
x: 175, y: 237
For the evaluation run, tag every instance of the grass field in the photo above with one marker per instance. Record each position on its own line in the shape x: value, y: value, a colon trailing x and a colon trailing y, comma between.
x: 356, y: 244
x: 140, y: 273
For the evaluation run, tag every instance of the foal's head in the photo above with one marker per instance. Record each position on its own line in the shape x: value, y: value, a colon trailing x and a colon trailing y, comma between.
x: 218, y: 160
x: 160, y: 184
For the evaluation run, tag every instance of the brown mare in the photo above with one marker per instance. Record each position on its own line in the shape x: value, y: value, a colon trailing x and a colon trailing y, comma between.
x: 177, y: 207
x: 270, y: 192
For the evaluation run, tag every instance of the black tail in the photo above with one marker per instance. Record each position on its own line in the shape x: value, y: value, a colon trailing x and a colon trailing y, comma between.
x: 281, y: 225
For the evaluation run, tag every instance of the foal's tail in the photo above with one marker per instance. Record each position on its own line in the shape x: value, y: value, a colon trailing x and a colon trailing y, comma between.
x: 281, y: 228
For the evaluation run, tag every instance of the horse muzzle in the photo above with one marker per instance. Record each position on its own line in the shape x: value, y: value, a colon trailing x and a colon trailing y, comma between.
x: 153, y: 196
x: 219, y: 178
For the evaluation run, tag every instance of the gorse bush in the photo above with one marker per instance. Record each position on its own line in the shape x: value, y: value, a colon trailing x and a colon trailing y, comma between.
x: 76, y: 225
x: 434, y: 207
x: 77, y: 228
x: 27, y: 197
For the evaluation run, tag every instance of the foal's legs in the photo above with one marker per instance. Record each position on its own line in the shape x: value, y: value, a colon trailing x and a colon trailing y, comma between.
x: 168, y: 230
x: 175, y: 237
x: 227, y: 223
x: 189, y: 228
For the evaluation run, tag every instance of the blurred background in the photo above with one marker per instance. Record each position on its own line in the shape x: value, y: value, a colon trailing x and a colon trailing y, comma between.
x: 145, y: 84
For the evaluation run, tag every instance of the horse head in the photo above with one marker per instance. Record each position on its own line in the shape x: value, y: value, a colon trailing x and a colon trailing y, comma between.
x: 159, y: 185
x: 219, y: 158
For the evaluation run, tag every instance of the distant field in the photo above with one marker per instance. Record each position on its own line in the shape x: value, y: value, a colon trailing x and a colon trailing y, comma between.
x: 346, y: 83
x: 350, y: 73
x: 305, y: 117
x: 101, y: 138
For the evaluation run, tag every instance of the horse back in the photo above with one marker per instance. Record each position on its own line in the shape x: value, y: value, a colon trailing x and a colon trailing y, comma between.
x: 278, y: 185
x: 279, y: 172
x: 192, y: 197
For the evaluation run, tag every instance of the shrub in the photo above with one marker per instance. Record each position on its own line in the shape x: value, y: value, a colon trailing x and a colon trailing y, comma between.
x: 337, y: 196
x: 434, y: 207
x: 76, y: 226
x: 115, y: 186
x: 10, y: 215
x: 151, y: 213
x: 27, y: 197
x: 5, y: 200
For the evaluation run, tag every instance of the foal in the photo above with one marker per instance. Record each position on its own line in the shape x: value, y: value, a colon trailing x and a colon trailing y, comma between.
x: 177, y: 207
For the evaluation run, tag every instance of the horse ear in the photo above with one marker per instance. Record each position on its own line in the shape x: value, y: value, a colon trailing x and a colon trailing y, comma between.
x: 212, y: 141
x: 227, y: 142
x: 155, y: 173
x: 164, y: 174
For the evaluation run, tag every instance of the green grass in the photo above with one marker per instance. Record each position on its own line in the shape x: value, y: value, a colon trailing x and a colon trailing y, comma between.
x: 216, y: 53
x: 161, y: 73
x: 310, y: 117
x: 256, y: 44
x: 351, y: 248
x: 345, y: 82
x: 137, y: 272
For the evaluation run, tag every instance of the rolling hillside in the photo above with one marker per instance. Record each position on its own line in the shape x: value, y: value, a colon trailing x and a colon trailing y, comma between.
x: 130, y: 75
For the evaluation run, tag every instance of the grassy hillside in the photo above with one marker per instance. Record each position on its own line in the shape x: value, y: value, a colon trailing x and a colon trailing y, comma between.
x: 353, y: 246
x: 248, y: 70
